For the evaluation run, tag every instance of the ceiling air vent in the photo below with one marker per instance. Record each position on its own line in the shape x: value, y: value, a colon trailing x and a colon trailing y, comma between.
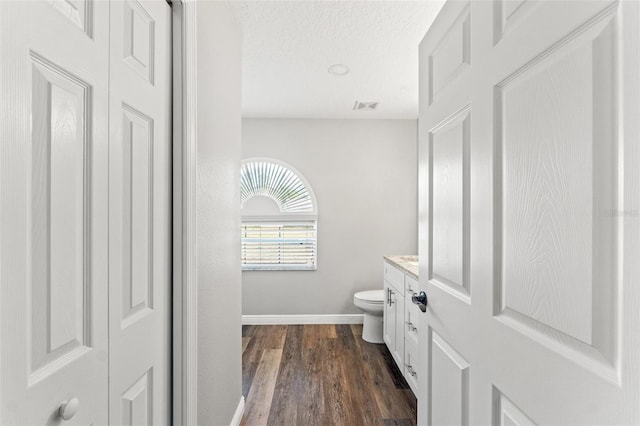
x: 365, y: 106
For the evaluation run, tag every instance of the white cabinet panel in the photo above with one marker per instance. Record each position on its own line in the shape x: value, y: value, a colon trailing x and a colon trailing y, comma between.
x: 410, y: 285
x: 411, y: 373
x: 394, y: 276
x: 398, y: 351
x: 394, y: 321
x: 389, y: 318
x: 401, y: 318
x: 394, y: 313
x: 411, y: 319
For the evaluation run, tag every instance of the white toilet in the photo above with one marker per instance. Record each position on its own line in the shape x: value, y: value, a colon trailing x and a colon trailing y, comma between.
x: 371, y: 303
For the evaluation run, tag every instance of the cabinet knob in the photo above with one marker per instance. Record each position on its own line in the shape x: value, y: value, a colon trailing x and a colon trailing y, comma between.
x: 68, y: 409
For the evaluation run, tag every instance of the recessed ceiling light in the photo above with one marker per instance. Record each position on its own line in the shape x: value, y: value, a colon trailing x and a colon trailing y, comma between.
x: 338, y: 69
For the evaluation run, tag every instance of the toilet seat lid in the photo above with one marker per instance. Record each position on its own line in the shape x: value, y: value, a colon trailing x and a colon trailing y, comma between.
x: 371, y: 296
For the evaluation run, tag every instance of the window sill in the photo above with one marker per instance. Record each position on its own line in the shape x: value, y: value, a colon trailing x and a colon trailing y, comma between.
x: 279, y: 268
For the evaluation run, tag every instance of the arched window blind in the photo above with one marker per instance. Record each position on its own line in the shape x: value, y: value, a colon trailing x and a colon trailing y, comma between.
x: 277, y: 182
x: 286, y: 240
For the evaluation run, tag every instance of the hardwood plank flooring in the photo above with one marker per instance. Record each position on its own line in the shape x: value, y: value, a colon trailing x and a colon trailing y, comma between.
x: 263, y: 386
x: 321, y: 375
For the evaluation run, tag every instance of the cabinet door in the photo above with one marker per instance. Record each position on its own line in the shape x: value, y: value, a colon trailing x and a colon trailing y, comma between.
x: 397, y: 298
x: 389, y: 319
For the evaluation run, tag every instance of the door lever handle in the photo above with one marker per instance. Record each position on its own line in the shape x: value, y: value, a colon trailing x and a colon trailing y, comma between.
x: 420, y: 300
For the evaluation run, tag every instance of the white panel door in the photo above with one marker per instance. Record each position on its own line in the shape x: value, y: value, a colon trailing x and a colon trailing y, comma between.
x: 139, y: 213
x: 529, y: 200
x: 53, y: 221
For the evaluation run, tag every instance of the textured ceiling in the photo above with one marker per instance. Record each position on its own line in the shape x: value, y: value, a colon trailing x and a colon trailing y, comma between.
x: 289, y: 45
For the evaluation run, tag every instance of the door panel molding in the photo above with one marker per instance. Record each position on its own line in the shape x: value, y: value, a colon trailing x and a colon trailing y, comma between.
x: 448, y: 383
x: 507, y: 14
x: 138, y: 214
x: 577, y: 322
x: 506, y: 413
x: 452, y: 56
x: 139, y: 39
x: 448, y: 266
x: 60, y: 210
x: 79, y: 12
x: 137, y: 401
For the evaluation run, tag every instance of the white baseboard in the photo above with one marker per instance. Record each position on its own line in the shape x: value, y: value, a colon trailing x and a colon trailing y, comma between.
x: 302, y: 319
x: 237, y: 416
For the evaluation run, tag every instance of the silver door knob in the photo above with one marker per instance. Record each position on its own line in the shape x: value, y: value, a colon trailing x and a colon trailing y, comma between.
x: 68, y: 409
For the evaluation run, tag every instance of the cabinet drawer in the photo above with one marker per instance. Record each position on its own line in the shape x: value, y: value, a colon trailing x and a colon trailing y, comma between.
x: 410, y: 285
x: 411, y: 373
x: 394, y: 276
x: 411, y: 318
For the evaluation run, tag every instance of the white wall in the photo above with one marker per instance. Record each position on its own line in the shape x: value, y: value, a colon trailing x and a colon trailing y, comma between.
x: 218, y: 254
x: 364, y: 175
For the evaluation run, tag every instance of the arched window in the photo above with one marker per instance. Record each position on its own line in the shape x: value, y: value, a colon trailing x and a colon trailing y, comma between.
x: 279, y: 217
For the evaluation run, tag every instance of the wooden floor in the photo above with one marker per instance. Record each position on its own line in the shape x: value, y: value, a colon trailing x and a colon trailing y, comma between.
x: 321, y: 375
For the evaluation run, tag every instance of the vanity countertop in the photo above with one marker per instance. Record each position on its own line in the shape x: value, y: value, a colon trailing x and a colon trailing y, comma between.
x: 407, y: 263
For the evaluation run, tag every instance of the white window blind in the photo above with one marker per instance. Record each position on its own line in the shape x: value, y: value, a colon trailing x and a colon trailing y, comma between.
x: 279, y: 245
x: 278, y: 182
x: 280, y: 240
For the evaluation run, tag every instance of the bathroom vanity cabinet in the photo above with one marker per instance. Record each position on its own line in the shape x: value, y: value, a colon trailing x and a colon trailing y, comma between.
x: 401, y: 315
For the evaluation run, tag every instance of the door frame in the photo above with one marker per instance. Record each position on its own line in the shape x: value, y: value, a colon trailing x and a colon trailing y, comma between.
x: 184, y: 235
